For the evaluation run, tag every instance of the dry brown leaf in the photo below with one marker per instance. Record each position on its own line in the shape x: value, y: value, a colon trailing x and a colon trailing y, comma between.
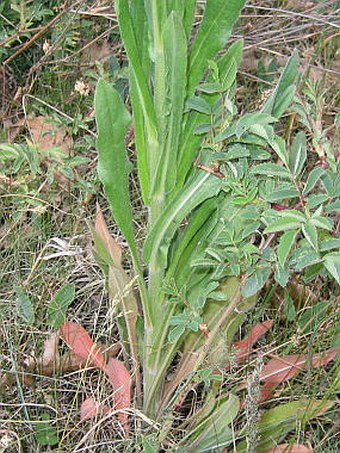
x: 46, y: 135
x: 111, y: 246
x: 51, y: 353
x: 91, y: 408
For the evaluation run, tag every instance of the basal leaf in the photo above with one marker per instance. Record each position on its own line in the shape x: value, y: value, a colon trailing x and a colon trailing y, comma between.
x: 112, y: 122
x: 285, y: 245
x: 201, y: 188
x: 57, y: 308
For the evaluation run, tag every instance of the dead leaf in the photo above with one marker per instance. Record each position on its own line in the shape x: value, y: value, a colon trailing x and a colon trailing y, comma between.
x: 46, y: 135
x: 91, y: 408
x: 245, y: 346
x: 111, y: 246
x: 121, y: 381
x: 51, y: 353
x: 81, y: 344
x: 286, y: 448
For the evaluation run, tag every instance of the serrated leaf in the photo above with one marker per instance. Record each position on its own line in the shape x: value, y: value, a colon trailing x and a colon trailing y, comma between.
x: 332, y: 264
x: 271, y: 170
x: 322, y: 222
x: 57, y: 308
x: 24, y: 306
x: 311, y: 234
x: 279, y: 146
x: 298, y: 154
x: 282, y: 194
x: 312, y: 179
x: 283, y: 224
x: 285, y: 245
x: 315, y: 200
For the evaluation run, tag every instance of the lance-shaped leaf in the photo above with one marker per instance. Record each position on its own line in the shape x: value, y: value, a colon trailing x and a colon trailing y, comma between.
x: 201, y: 188
x: 285, y: 245
x: 284, y: 92
x: 245, y: 346
x: 175, y: 49
x: 287, y: 448
x: 298, y: 154
x: 214, y: 31
x: 112, y: 122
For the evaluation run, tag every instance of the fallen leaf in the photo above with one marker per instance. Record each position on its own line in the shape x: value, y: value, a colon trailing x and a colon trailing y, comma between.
x: 286, y: 448
x: 46, y: 135
x: 121, y: 381
x: 50, y: 353
x: 245, y: 346
x: 91, y: 408
x: 81, y: 343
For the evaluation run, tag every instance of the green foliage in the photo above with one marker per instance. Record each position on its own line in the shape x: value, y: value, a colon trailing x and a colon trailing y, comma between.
x: 45, y: 432
x: 229, y: 203
x: 57, y: 308
x: 24, y: 307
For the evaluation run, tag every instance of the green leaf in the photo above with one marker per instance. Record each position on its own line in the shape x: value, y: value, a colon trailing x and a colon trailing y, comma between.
x: 294, y: 213
x: 24, y: 306
x: 271, y: 170
x: 276, y: 423
x: 210, y: 87
x: 322, y: 222
x: 285, y: 245
x: 279, y: 146
x: 283, y: 94
x: 251, y: 119
x: 313, y: 177
x: 315, y: 200
x: 158, y: 241
x: 332, y: 264
x: 311, y: 234
x: 256, y: 282
x: 45, y: 432
x: 213, y: 432
x: 298, y: 154
x: 57, y: 308
x: 112, y: 122
x: 175, y: 50
x: 282, y: 194
x: 303, y: 258
x: 198, y: 104
x: 282, y: 275
x: 329, y: 244
x: 213, y: 33
x: 283, y: 224
x: 289, y: 307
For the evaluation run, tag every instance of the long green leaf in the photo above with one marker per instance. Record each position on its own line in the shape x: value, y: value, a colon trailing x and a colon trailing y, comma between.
x: 201, y: 188
x: 214, y: 31
x: 275, y: 104
x: 142, y: 93
x: 112, y: 122
x: 298, y: 154
x: 175, y: 48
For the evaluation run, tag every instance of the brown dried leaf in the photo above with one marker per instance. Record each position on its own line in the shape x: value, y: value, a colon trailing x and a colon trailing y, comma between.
x: 46, y: 135
x: 111, y: 246
x: 91, y: 408
x: 286, y: 448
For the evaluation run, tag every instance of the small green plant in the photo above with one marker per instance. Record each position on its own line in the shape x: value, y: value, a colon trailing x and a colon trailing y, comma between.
x: 231, y: 207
